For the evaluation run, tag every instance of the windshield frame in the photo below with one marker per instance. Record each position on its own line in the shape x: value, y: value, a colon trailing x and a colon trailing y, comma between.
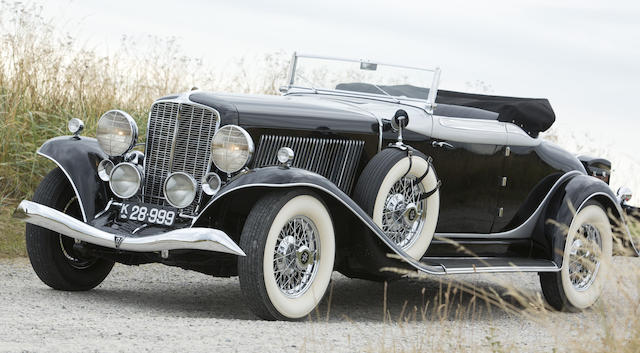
x: 429, y: 100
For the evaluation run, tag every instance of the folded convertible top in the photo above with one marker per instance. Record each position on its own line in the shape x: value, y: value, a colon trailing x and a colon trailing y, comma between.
x: 533, y: 115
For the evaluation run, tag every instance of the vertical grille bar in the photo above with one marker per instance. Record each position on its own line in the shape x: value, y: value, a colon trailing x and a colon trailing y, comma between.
x: 335, y: 159
x: 179, y: 140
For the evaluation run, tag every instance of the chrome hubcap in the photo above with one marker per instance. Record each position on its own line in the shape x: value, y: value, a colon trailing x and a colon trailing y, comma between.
x: 584, y: 257
x: 295, y: 261
x: 404, y: 213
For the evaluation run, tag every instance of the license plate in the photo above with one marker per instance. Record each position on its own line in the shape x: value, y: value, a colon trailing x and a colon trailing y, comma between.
x: 147, y: 213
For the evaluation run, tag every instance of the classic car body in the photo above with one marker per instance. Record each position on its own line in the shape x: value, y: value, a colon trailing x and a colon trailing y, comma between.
x: 498, y: 182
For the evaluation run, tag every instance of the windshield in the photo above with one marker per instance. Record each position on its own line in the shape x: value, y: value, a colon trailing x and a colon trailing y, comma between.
x: 334, y: 74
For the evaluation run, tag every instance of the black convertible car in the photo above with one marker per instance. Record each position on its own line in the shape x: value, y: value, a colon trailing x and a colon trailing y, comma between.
x: 358, y: 167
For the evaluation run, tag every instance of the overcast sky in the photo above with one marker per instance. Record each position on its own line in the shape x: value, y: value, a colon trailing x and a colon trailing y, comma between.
x: 584, y: 56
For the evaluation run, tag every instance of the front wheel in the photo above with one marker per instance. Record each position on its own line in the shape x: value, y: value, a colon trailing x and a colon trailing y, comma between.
x: 289, y: 242
x: 52, y: 255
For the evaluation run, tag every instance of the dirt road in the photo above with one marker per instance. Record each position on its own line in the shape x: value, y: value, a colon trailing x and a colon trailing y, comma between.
x: 158, y: 308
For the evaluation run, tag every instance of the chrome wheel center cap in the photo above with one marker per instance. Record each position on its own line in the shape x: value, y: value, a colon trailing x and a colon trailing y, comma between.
x: 411, y: 214
x: 304, y: 257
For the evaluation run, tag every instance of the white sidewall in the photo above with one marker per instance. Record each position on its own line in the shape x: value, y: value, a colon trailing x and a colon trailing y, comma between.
x: 418, y: 168
x: 312, y: 208
x: 595, y: 216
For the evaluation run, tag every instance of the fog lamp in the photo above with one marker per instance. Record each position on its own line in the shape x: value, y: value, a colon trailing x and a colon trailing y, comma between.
x: 180, y: 189
x: 104, y: 169
x: 211, y: 184
x: 125, y: 180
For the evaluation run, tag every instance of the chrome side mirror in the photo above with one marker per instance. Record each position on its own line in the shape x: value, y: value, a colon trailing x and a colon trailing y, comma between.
x: 624, y: 194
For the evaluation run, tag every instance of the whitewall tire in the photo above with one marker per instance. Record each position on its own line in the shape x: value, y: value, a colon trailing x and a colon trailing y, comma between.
x: 586, y: 262
x: 290, y: 246
x: 391, y: 189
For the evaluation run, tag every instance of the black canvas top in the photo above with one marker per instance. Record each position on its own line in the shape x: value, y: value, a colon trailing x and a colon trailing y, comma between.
x: 533, y: 115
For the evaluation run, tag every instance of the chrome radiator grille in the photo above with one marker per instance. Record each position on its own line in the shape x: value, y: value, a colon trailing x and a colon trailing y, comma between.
x: 335, y: 159
x: 179, y: 140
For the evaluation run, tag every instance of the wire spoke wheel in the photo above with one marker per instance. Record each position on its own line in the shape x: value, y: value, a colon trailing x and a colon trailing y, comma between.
x: 586, y: 260
x: 295, y: 256
x: 400, y: 190
x: 584, y: 257
x: 404, y: 213
x: 283, y: 276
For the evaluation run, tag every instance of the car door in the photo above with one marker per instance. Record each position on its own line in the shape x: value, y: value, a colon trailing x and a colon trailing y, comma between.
x: 469, y: 158
x: 527, y: 180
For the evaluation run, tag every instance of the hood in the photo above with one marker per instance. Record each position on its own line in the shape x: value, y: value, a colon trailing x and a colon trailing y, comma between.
x: 305, y: 111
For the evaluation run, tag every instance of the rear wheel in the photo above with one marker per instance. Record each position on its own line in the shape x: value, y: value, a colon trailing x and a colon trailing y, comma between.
x: 52, y: 255
x: 289, y: 241
x: 586, y: 262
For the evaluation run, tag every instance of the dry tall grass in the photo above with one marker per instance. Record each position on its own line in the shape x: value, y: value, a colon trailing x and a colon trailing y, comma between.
x: 47, y: 77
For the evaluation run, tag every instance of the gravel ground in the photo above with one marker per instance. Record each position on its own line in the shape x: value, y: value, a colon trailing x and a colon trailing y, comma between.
x: 159, y: 308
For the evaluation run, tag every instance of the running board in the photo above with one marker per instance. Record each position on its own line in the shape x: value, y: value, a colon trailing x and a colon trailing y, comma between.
x: 459, y: 265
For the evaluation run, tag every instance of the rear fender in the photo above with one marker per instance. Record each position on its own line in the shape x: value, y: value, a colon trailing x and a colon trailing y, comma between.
x: 569, y: 200
x: 272, y: 178
x: 78, y: 157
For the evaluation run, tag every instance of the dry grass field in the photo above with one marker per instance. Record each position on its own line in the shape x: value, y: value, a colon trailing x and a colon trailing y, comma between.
x: 46, y: 78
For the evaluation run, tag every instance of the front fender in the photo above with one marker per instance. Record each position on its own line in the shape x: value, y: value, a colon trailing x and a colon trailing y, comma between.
x: 277, y: 177
x: 571, y: 199
x: 78, y: 157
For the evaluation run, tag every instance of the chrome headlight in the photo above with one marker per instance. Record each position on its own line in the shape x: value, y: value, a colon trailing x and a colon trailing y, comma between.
x: 125, y: 180
x: 231, y: 148
x: 117, y: 132
x: 180, y: 189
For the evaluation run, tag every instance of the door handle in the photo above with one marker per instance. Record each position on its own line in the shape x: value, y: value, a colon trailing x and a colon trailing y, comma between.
x: 442, y: 144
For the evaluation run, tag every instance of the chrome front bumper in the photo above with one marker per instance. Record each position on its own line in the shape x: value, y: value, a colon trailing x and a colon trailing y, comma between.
x: 186, y: 238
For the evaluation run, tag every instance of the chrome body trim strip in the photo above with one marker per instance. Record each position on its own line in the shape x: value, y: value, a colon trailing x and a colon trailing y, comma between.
x: 525, y: 229
x: 187, y: 238
x: 430, y: 269
x: 84, y: 216
x: 503, y: 269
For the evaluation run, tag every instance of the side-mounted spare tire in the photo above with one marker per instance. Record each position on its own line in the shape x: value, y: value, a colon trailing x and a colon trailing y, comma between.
x: 399, y: 189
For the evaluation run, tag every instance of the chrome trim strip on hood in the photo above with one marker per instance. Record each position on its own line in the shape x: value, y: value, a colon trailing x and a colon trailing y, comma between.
x: 188, y: 238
